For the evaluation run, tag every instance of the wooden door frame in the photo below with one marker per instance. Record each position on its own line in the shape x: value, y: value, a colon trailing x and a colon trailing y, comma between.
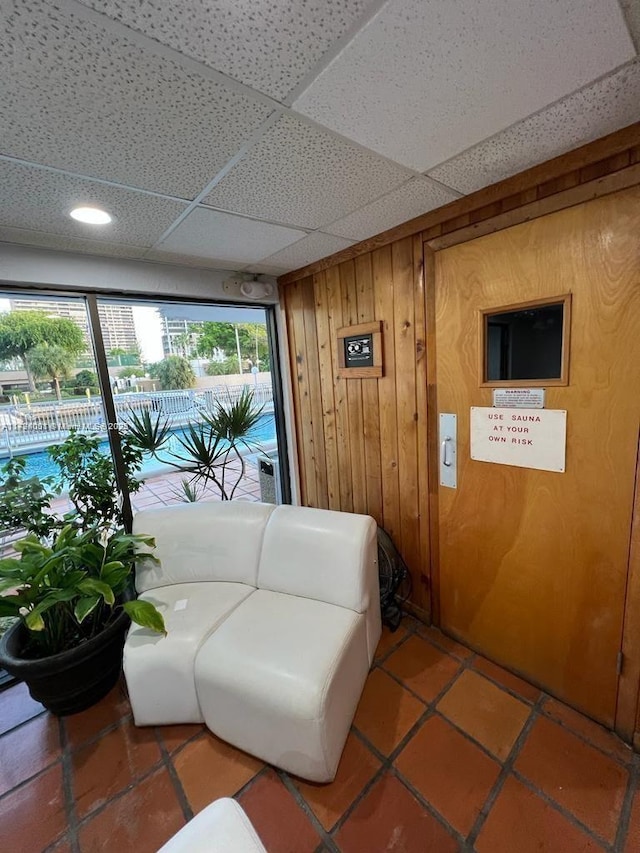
x: 627, y: 714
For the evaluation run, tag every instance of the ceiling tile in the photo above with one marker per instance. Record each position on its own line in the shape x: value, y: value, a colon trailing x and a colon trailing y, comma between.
x: 40, y: 200
x: 228, y: 238
x: 631, y: 9
x: 605, y: 106
x: 185, y: 260
x: 300, y: 175
x: 69, y: 244
x: 308, y: 250
x: 77, y: 97
x: 268, y: 46
x: 425, y: 79
x: 415, y: 197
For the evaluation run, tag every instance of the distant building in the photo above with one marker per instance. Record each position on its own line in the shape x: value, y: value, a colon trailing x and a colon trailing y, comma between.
x: 179, y: 336
x: 118, y: 327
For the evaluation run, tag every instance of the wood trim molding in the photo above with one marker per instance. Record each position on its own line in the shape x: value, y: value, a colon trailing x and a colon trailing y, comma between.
x: 626, y: 178
x: 627, y: 721
x: 484, y: 313
x: 375, y: 371
x: 539, y: 180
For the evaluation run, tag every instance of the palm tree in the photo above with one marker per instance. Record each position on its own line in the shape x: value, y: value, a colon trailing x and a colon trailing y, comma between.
x: 51, y: 361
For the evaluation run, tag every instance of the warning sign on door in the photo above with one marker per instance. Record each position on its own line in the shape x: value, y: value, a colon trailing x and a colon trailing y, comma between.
x: 526, y: 438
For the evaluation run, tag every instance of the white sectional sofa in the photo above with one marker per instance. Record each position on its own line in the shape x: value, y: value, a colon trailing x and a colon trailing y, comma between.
x: 273, y: 619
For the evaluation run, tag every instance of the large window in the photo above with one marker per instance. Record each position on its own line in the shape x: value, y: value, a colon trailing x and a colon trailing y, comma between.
x: 190, y: 385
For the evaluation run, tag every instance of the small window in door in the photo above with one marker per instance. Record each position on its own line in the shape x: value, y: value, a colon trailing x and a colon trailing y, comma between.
x: 526, y: 344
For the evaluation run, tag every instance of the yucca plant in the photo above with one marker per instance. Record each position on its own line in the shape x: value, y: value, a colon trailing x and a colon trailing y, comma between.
x: 210, y: 450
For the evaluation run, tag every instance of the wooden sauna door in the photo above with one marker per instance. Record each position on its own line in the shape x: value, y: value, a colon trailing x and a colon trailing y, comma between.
x: 533, y: 564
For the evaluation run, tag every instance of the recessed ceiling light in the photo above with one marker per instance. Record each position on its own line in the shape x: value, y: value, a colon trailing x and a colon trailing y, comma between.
x: 91, y: 215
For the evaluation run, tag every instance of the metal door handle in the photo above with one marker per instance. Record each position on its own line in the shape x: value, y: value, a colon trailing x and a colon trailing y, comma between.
x: 445, y: 456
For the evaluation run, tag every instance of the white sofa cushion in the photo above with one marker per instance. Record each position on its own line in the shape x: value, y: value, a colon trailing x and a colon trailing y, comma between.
x: 159, y: 670
x: 281, y: 678
x: 215, y: 541
x: 320, y: 554
x: 222, y: 827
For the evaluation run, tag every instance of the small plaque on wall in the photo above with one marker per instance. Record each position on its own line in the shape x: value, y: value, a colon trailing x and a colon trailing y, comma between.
x: 360, y: 351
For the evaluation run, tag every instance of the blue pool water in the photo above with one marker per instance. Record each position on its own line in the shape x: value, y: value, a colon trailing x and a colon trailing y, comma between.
x: 42, y: 465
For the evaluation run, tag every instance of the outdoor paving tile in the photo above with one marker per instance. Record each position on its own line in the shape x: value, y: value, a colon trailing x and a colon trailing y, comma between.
x: 386, y: 711
x: 421, y: 667
x: 112, y: 763
x: 487, y: 713
x: 84, y: 726
x: 28, y: 750
x: 390, y: 818
x: 599, y: 736
x: 453, y: 774
x: 33, y: 816
x: 520, y: 820
x: 140, y: 821
x: 329, y: 802
x: 209, y: 768
x: 16, y: 707
x: 507, y: 679
x: 280, y: 822
x: 577, y: 776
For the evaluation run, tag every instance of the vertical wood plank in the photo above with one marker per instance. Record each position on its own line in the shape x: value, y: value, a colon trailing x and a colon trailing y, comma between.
x: 432, y: 425
x: 325, y: 366
x: 422, y: 591
x: 334, y: 301
x: 295, y: 331
x: 315, y: 394
x: 383, y: 295
x: 354, y: 394
x: 370, y: 403
x: 406, y: 414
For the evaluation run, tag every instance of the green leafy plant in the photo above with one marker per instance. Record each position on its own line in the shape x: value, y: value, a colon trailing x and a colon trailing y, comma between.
x: 90, y: 478
x: 25, y: 502
x: 210, y: 450
x: 67, y: 592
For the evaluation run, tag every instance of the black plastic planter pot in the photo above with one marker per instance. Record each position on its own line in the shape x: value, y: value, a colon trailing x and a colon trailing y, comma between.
x: 73, y: 680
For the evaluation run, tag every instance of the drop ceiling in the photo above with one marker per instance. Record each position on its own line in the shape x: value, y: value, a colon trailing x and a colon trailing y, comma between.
x: 260, y: 136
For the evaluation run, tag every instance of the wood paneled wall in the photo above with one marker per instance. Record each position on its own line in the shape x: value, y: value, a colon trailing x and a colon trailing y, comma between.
x: 363, y: 443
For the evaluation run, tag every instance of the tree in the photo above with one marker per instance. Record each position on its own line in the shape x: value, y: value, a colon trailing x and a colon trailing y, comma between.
x: 51, y: 361
x: 184, y: 343
x: 21, y: 331
x: 117, y: 352
x: 173, y: 372
x: 252, y: 337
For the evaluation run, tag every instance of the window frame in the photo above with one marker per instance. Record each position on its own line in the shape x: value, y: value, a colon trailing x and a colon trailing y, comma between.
x: 483, y: 318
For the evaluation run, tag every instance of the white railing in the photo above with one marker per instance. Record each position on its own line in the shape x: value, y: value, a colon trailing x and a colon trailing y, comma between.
x: 38, y: 424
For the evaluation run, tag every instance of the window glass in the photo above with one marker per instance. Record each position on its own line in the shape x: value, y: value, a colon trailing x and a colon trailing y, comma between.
x: 524, y: 344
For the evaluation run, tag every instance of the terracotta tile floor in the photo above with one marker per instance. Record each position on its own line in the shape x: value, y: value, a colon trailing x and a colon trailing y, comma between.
x: 448, y: 753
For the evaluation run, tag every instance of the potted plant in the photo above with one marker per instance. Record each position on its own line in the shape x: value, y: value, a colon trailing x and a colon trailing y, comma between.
x: 69, y: 583
x: 74, y: 602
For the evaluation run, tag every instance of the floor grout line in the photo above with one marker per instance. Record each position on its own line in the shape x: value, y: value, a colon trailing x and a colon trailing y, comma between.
x: 306, y: 808
x: 67, y: 785
x: 187, y: 811
x: 507, y: 767
x: 633, y: 787
x: 569, y: 816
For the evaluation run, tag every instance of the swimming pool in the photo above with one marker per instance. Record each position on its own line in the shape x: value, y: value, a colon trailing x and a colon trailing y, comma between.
x: 41, y: 465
